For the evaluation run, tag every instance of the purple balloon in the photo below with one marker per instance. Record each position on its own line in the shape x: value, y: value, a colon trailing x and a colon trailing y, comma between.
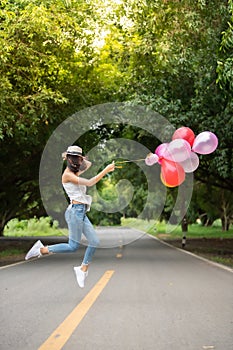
x: 161, y: 149
x: 205, y: 143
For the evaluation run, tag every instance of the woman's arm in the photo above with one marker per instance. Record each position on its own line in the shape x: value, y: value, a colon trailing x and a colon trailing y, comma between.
x: 68, y: 176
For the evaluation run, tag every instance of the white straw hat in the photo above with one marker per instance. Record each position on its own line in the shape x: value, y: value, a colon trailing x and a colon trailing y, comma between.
x: 73, y: 151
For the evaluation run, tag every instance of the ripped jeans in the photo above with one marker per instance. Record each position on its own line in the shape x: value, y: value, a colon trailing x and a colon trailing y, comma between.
x: 78, y: 223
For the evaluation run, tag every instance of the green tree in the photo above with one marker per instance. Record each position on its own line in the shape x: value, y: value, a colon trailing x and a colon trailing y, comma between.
x: 225, y: 62
x: 214, y: 203
x: 59, y: 56
x: 174, y: 71
x: 45, y: 57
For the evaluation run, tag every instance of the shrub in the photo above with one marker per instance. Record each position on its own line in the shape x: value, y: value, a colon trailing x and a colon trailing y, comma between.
x: 43, y: 226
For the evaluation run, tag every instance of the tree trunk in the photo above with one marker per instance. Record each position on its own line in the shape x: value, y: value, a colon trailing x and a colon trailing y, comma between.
x: 225, y: 223
x: 5, y: 217
x: 184, y: 224
x: 1, y: 231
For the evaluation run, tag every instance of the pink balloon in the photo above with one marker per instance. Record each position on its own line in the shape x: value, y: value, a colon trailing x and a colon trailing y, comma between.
x: 205, y: 143
x: 151, y: 159
x: 177, y: 150
x: 190, y: 164
x: 160, y: 149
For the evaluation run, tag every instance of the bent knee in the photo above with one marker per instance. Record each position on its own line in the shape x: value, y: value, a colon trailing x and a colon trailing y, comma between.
x: 95, y: 242
x: 73, y: 246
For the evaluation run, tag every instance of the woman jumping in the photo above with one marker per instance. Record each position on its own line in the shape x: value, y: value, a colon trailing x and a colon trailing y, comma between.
x: 75, y: 215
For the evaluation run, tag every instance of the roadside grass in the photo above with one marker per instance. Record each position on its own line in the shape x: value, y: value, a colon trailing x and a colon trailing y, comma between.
x: 221, y: 260
x: 34, y: 227
x: 44, y: 226
x: 14, y: 250
x: 163, y: 230
x: 11, y: 252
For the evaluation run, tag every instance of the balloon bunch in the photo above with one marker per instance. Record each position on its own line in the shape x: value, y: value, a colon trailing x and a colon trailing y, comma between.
x: 180, y: 155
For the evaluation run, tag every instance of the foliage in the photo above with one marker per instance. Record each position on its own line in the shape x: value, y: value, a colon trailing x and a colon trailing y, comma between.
x: 215, y: 203
x: 43, y: 60
x: 59, y: 56
x: 225, y: 63
x: 11, y: 252
x: 44, y: 226
x: 175, y: 231
x: 177, y: 74
x: 98, y: 216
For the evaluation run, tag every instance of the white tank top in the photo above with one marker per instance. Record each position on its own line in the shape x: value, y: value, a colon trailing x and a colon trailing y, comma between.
x: 77, y: 193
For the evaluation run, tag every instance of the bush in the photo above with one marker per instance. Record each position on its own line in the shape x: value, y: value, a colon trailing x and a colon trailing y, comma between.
x: 43, y: 226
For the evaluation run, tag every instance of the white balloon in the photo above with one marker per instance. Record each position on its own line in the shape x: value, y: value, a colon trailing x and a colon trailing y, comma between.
x: 177, y: 150
x: 190, y: 164
x: 151, y: 159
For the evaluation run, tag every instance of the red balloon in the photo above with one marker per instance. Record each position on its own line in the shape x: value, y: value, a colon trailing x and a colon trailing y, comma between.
x: 172, y: 174
x: 184, y: 133
x: 165, y: 184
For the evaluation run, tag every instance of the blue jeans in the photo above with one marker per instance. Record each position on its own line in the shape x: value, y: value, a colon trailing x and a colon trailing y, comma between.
x: 78, y: 223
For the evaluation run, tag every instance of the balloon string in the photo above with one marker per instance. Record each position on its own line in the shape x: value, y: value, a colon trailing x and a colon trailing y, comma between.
x: 129, y: 161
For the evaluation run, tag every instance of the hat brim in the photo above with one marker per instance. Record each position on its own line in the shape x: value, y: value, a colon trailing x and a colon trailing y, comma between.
x: 65, y: 154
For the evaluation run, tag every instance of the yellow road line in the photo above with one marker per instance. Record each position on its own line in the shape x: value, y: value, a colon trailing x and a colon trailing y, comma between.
x: 63, y: 332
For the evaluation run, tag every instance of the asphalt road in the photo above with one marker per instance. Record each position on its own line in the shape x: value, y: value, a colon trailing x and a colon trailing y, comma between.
x: 157, y: 298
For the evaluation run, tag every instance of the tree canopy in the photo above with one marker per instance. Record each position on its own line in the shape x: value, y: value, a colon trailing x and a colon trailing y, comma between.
x: 61, y: 56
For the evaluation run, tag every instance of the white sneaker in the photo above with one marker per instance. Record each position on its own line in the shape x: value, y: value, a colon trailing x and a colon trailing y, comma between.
x: 34, y: 251
x: 80, y: 275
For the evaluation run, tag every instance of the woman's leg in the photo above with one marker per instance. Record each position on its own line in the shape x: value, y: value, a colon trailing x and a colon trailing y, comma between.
x: 93, y: 242
x: 69, y: 247
x: 74, y: 219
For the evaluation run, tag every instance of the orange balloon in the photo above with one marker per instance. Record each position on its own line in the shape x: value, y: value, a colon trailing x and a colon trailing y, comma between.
x: 172, y: 174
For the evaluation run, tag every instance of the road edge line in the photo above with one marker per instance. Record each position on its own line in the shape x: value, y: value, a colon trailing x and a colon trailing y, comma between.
x: 11, y: 265
x: 194, y: 255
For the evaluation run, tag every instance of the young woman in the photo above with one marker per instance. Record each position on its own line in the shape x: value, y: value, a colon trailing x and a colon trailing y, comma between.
x: 75, y: 215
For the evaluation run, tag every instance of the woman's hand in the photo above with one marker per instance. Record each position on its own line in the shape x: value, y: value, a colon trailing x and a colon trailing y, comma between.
x: 110, y: 167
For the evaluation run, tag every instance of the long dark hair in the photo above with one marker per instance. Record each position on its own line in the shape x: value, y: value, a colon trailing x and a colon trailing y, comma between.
x: 75, y: 163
